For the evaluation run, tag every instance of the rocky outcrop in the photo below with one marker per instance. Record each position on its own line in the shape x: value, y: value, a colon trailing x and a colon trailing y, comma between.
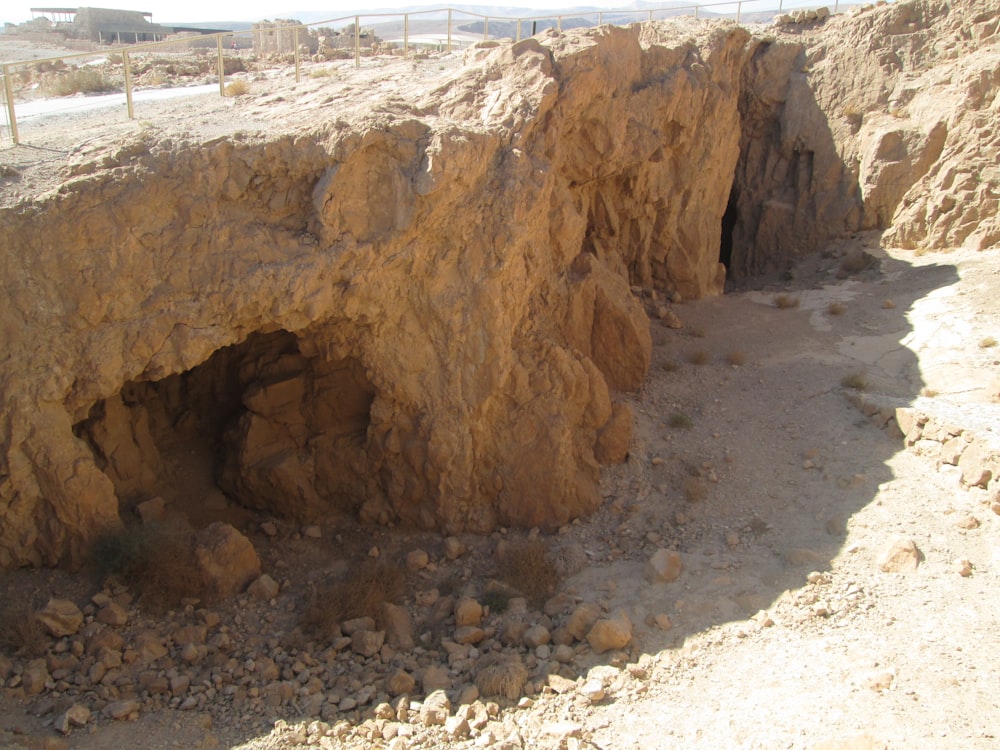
x: 417, y: 316
x: 910, y: 93
x: 422, y: 312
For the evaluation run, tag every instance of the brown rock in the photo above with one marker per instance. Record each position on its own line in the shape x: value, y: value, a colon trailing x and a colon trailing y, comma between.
x: 417, y: 559
x: 112, y: 614
x: 152, y: 510
x: 469, y: 634
x: 900, y: 556
x: 367, y: 642
x: 664, y: 566
x: 398, y: 626
x: 583, y: 619
x: 468, y: 612
x: 400, y: 682
x: 435, y: 709
x: 61, y: 617
x: 615, y: 437
x: 74, y: 716
x: 610, y: 634
x: 435, y: 677
x: 35, y: 676
x: 264, y: 588
x: 227, y: 559
x: 121, y: 709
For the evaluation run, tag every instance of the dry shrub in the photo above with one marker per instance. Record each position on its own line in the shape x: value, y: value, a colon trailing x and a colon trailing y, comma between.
x: 698, y: 333
x: 21, y: 633
x: 785, y: 301
x: 987, y: 342
x: 856, y: 380
x: 736, y: 358
x: 501, y: 676
x: 77, y: 81
x: 680, y: 421
x: 157, y: 563
x: 239, y: 87
x: 670, y: 366
x: 700, y: 357
x: 855, y: 261
x: 525, y: 566
x: 497, y: 599
x: 695, y: 489
x: 836, y: 308
x: 361, y: 593
x: 888, y: 305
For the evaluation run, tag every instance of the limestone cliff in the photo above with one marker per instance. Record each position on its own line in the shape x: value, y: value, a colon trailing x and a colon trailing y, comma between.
x: 422, y: 311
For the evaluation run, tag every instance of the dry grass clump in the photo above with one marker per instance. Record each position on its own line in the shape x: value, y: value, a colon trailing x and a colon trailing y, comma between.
x: 670, y: 366
x: 695, y: 489
x: 497, y: 599
x: 855, y: 261
x: 239, y: 87
x: 987, y: 342
x: 502, y: 676
x: 680, y: 421
x: 856, y: 381
x: 698, y: 333
x: 361, y: 593
x: 156, y: 563
x: 321, y: 73
x: 736, y: 358
x: 836, y: 308
x: 526, y: 567
x: 77, y: 81
x: 700, y: 357
x: 785, y: 301
x: 21, y: 633
x: 888, y: 305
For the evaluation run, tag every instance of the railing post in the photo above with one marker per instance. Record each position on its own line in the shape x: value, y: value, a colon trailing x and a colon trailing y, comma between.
x: 449, y: 29
x: 836, y: 5
x: 600, y: 19
x: 696, y: 12
x: 357, y: 41
x: 486, y: 28
x: 780, y: 3
x: 406, y: 36
x: 650, y: 15
x: 559, y: 23
x: 298, y: 69
x: 8, y: 91
x: 517, y: 36
x: 128, y: 84
x: 222, y: 67
x: 739, y: 10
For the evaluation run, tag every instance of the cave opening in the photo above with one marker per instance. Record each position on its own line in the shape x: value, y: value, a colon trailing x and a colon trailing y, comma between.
x: 258, y: 426
x: 729, y: 219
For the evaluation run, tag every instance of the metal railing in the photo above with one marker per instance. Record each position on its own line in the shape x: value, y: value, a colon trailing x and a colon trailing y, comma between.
x: 447, y: 40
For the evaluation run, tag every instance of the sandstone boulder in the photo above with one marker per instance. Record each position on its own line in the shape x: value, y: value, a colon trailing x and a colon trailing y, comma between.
x: 226, y: 558
x: 60, y: 617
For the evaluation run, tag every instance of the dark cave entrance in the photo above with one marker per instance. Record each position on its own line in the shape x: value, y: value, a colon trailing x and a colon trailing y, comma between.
x: 257, y: 426
x: 729, y: 219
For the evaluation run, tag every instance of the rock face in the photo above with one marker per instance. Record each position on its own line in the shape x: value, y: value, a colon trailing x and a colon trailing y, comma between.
x: 423, y: 313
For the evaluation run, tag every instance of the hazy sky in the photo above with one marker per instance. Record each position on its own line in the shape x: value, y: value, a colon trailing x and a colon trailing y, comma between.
x: 253, y: 10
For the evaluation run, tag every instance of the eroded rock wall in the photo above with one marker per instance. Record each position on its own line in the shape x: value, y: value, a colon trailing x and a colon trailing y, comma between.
x: 910, y: 93
x: 421, y: 311
x: 430, y: 306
